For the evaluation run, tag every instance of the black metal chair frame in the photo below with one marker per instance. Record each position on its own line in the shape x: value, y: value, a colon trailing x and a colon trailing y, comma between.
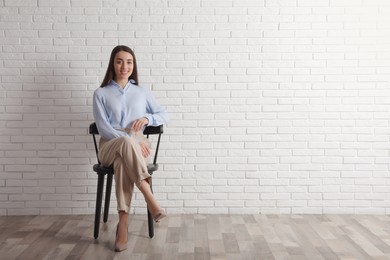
x: 102, y: 171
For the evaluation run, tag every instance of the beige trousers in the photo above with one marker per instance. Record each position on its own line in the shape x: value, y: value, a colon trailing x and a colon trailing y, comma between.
x: 125, y: 155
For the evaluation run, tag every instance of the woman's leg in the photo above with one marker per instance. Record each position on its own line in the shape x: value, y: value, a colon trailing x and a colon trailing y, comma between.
x: 153, y: 205
x: 124, y: 187
x: 123, y: 154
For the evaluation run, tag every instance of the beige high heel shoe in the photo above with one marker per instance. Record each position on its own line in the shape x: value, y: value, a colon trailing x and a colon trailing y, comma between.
x: 120, y: 246
x: 159, y: 215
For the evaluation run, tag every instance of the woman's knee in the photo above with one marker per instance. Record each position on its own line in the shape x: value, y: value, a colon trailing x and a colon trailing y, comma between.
x: 128, y: 144
x: 127, y: 141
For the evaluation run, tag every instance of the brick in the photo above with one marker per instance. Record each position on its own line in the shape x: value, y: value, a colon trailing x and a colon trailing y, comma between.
x: 57, y: 3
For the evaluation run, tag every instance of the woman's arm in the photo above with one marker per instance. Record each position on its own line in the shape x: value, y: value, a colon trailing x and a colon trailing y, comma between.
x: 103, y: 125
x: 155, y: 113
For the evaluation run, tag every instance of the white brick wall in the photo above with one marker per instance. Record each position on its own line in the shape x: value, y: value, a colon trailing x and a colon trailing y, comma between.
x: 276, y: 106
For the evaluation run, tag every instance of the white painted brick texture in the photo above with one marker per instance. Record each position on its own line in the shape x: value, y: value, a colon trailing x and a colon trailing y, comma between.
x: 276, y: 106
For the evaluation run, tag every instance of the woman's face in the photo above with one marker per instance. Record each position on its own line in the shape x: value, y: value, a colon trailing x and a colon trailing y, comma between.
x: 123, y: 65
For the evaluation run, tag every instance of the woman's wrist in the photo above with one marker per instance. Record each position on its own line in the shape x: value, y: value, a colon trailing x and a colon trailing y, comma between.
x: 147, y: 120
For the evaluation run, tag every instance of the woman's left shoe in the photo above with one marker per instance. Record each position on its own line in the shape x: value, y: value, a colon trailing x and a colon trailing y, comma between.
x: 159, y: 215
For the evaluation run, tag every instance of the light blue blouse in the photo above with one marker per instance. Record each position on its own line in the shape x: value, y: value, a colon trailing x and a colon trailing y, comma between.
x: 115, y: 108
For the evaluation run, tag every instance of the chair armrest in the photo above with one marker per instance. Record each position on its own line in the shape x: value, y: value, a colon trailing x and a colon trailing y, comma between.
x: 93, y: 129
x: 152, y: 130
x: 149, y: 130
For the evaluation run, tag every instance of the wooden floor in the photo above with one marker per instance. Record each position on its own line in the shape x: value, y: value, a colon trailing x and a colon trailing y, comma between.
x: 200, y: 237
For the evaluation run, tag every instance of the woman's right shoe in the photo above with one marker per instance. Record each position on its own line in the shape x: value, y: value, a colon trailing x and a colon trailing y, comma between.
x: 119, y: 246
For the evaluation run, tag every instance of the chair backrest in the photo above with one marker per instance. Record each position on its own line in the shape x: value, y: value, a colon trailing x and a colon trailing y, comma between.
x: 149, y: 130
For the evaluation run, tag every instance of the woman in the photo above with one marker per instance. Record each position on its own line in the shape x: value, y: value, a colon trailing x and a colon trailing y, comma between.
x: 122, y: 109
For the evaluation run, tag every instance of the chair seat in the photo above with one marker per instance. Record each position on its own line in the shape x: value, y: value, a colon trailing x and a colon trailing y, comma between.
x: 100, y: 169
x: 103, y: 169
x: 152, y: 167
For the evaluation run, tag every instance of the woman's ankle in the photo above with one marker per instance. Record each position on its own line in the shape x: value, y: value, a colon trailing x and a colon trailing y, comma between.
x: 123, y: 217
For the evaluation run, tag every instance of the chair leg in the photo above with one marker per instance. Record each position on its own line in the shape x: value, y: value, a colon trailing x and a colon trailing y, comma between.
x: 150, y: 224
x: 108, y: 197
x: 98, y: 208
x: 150, y: 218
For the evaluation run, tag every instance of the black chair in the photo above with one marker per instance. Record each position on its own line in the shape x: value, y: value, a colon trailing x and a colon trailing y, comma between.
x: 102, y: 171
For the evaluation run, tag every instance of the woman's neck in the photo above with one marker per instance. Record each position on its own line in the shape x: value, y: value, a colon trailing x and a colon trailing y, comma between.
x: 122, y: 83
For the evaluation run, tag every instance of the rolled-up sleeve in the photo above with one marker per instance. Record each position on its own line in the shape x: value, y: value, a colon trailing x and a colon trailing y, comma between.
x: 155, y: 113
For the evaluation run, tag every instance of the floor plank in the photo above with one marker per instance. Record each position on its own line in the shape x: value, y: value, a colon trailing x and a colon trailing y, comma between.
x: 199, y: 237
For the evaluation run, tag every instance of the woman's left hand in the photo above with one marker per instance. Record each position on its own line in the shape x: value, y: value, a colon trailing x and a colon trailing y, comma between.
x: 139, y: 124
x: 145, y: 149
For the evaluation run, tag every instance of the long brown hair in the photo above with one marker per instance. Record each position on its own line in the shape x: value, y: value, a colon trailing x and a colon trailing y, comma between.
x: 110, y: 73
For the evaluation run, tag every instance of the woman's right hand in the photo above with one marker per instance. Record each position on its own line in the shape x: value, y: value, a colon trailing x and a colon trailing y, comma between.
x: 139, y: 124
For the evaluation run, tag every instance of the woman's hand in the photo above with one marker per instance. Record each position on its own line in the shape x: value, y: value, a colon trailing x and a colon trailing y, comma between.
x: 139, y: 124
x: 136, y: 127
x: 145, y: 149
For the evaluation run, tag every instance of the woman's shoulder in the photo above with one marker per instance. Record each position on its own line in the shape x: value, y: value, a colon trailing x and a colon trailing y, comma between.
x: 102, y: 93
x: 99, y: 91
x: 104, y: 89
